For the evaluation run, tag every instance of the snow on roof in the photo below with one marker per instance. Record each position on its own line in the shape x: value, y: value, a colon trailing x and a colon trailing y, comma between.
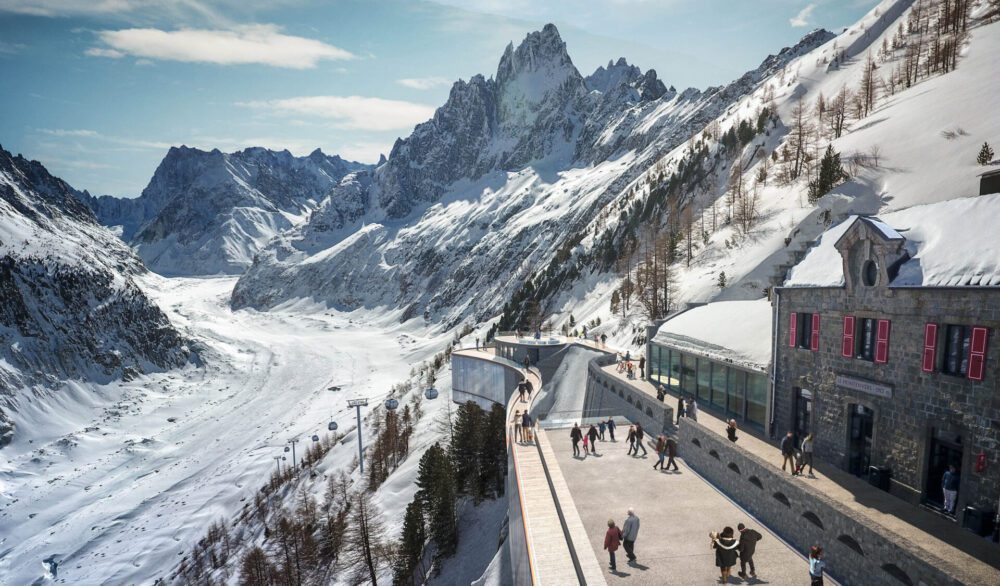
x: 729, y: 331
x: 951, y: 244
x: 887, y: 232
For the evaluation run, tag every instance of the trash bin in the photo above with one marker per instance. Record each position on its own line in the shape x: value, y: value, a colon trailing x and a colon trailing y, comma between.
x: 978, y: 521
x: 879, y: 476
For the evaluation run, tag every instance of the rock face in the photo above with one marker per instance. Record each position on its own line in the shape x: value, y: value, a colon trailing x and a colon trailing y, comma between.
x: 208, y: 212
x: 71, y: 309
x: 489, y: 189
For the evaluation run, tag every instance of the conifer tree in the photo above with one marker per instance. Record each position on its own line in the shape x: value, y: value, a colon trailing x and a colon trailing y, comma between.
x: 985, y: 154
x: 831, y: 173
x: 411, y: 547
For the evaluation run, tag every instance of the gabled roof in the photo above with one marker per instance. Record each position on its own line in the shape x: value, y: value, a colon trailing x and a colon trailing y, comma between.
x: 876, y: 224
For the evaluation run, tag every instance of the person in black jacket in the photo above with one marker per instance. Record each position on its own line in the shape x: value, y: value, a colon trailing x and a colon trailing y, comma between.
x: 725, y: 545
x: 576, y: 435
x: 788, y: 452
x: 611, y: 427
x: 592, y: 436
x: 746, y: 548
x: 639, y: 436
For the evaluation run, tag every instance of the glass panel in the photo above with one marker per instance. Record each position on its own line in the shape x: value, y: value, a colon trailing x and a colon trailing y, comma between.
x: 737, y: 391
x: 654, y: 363
x: 705, y: 380
x: 688, y: 374
x: 756, y: 398
x: 675, y: 370
x: 719, y: 385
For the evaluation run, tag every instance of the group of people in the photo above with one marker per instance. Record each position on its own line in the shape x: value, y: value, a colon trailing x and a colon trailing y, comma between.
x: 798, y: 458
x: 624, y: 536
x: 685, y: 407
x: 524, y: 389
x: 589, y: 439
x: 625, y: 365
x: 729, y: 547
x: 523, y: 426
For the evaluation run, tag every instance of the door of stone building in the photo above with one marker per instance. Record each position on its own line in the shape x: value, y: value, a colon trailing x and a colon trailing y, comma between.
x: 942, y: 455
x: 859, y: 448
x: 803, y: 414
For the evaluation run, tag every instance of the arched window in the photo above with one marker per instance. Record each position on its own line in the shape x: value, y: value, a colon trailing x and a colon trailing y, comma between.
x: 714, y: 454
x: 812, y: 518
x: 897, y: 573
x: 756, y: 482
x: 732, y: 466
x: 781, y: 498
x: 851, y: 543
x: 695, y: 441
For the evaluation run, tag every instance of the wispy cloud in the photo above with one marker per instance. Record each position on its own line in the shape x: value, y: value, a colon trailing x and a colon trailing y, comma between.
x: 10, y: 48
x: 94, y: 135
x: 260, y: 43
x: 423, y: 83
x: 802, y: 18
x: 356, y: 112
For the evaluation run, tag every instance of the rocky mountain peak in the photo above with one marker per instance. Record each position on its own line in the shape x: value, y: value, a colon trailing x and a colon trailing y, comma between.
x: 539, y: 63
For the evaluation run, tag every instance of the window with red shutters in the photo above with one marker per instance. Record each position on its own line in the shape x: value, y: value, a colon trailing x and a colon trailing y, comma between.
x: 882, y: 341
x: 847, y: 349
x: 930, y: 348
x: 814, y: 343
x: 792, y: 329
x: 977, y: 353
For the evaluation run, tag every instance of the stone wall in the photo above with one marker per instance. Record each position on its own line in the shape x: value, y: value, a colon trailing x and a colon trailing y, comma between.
x: 607, y: 395
x: 922, y: 405
x: 856, y: 553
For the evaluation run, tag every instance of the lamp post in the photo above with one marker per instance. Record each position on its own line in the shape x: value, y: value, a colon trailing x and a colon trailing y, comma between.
x: 358, y: 404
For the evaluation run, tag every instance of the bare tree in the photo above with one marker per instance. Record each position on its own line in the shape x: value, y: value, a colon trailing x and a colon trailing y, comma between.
x: 368, y: 550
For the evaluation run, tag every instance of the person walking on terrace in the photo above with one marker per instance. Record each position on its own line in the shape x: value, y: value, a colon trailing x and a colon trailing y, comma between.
x: 631, y: 440
x: 576, y: 435
x: 602, y: 426
x: 788, y: 452
x: 731, y: 431
x: 527, y: 363
x: 806, y: 459
x: 529, y: 388
x: 816, y: 566
x: 586, y: 445
x: 692, y: 409
x: 746, y: 549
x: 630, y: 531
x: 681, y: 409
x: 640, y: 437
x: 642, y: 367
x: 671, y: 454
x: 949, y: 485
x: 612, y: 539
x: 725, y: 546
x: 526, y: 426
x: 521, y: 388
x: 592, y: 436
x: 604, y: 339
x: 517, y: 426
x: 661, y: 451
x: 611, y: 428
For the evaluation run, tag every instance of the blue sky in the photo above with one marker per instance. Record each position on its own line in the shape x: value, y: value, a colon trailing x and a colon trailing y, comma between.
x: 98, y: 90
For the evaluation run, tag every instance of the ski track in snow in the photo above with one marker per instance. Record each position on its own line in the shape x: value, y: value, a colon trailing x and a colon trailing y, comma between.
x: 118, y: 494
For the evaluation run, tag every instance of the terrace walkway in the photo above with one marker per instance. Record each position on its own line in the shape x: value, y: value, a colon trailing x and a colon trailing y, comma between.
x: 972, y: 559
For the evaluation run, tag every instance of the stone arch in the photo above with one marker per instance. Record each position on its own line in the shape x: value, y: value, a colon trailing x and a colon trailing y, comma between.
x: 813, y: 518
x: 732, y: 466
x: 696, y: 442
x: 897, y: 573
x: 629, y: 399
x: 621, y: 394
x: 714, y: 454
x: 649, y: 411
x: 756, y: 482
x: 781, y: 498
x: 851, y: 543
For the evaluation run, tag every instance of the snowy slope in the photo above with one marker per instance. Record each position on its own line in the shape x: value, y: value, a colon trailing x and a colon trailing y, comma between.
x: 208, y: 212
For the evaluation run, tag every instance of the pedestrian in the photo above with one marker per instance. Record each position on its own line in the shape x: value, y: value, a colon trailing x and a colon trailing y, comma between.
x: 807, y: 455
x: 527, y: 363
x: 816, y: 566
x: 611, y: 427
x: 529, y: 388
x: 621, y: 362
x: 604, y: 339
x: 629, y: 370
x: 725, y: 546
x: 592, y: 435
x: 521, y: 389
x: 612, y: 539
x: 630, y: 530
x: 661, y: 391
x: 731, y: 431
x: 747, y: 547
x: 681, y: 409
x: 628, y: 356
x: 671, y: 453
x: 642, y: 367
x: 631, y: 440
x: 601, y: 426
x: 640, y: 436
x: 949, y: 485
x: 661, y: 451
x: 586, y: 445
x: 788, y: 452
x: 692, y: 409
x: 526, y: 426
x: 477, y: 343
x: 517, y: 426
x: 576, y: 435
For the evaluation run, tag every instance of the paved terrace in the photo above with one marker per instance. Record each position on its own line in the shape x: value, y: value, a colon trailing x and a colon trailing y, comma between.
x: 676, y: 512
x: 978, y: 561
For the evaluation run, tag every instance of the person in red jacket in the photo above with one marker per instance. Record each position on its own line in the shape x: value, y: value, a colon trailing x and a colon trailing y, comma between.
x: 612, y: 539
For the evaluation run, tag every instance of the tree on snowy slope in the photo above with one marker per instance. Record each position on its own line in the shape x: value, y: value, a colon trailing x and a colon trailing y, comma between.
x: 831, y: 173
x: 408, y: 565
x: 368, y: 550
x: 867, y: 90
x: 985, y: 154
x: 436, y: 495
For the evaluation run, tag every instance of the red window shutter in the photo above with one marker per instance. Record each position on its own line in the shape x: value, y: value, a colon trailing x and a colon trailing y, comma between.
x: 930, y: 348
x: 848, y: 346
x: 792, y: 327
x: 814, y: 346
x: 977, y: 353
x: 882, y: 342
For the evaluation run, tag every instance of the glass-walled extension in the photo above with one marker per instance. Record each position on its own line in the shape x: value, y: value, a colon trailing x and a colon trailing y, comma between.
x: 728, y: 390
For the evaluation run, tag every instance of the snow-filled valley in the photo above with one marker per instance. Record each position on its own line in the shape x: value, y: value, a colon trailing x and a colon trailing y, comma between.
x: 117, y: 481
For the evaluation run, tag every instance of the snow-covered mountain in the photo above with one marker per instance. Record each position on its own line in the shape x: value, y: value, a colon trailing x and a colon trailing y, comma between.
x: 208, y: 212
x: 487, y: 192
x: 70, y: 309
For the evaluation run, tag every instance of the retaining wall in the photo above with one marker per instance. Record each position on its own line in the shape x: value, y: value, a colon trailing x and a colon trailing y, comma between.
x: 607, y: 395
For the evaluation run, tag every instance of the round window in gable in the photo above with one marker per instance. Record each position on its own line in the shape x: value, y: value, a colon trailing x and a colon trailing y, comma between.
x: 869, y: 273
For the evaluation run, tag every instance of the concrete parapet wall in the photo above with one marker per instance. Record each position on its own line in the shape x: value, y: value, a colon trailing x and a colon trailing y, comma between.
x: 856, y: 553
x: 609, y: 396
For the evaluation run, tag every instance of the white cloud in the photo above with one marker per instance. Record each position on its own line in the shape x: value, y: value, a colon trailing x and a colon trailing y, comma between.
x: 263, y: 44
x: 117, y: 140
x: 423, y: 83
x: 802, y: 18
x: 355, y: 112
x: 10, y: 48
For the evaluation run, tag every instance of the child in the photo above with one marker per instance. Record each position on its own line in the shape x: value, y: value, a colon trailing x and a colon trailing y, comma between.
x: 585, y: 448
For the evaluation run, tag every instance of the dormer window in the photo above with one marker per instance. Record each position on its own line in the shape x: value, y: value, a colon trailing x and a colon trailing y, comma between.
x: 869, y: 273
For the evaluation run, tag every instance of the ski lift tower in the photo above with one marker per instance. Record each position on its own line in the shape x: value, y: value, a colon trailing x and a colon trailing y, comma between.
x: 358, y: 404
